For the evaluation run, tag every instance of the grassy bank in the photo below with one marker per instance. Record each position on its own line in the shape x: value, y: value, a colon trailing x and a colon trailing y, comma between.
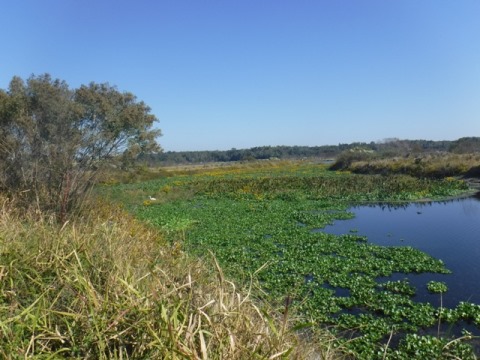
x: 259, y: 219
x: 435, y: 165
x: 109, y: 287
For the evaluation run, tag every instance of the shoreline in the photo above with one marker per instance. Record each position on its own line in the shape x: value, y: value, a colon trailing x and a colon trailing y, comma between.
x: 472, y: 192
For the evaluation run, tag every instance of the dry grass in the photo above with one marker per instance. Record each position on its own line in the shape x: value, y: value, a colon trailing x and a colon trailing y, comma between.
x: 431, y: 165
x: 108, y: 287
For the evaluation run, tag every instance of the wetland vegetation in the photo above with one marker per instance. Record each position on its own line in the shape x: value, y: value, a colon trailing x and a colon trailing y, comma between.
x: 106, y: 286
x: 257, y: 220
x: 216, y: 262
x: 81, y: 279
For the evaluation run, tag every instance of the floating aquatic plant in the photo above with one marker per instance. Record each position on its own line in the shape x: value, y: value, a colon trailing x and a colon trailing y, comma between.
x: 255, y: 219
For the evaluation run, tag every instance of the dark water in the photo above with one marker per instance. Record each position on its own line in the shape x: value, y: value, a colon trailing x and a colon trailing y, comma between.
x: 445, y: 230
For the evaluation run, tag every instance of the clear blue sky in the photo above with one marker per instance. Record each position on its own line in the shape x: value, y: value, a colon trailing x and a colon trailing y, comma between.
x: 223, y: 74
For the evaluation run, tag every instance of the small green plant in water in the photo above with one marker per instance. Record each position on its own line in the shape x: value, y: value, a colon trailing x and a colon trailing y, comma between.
x: 271, y: 219
x: 437, y: 287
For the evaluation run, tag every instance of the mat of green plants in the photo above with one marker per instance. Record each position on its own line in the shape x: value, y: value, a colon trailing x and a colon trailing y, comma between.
x: 258, y: 221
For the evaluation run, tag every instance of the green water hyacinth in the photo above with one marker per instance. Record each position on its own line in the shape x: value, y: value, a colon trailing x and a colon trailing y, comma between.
x: 437, y: 287
x: 400, y: 287
x: 259, y: 222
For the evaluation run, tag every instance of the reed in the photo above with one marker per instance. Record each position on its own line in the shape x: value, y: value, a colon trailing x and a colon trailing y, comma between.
x: 252, y: 216
x: 106, y: 286
x: 432, y: 165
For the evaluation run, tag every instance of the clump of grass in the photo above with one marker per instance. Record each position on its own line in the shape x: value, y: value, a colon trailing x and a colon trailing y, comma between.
x: 108, y: 287
x: 439, y: 165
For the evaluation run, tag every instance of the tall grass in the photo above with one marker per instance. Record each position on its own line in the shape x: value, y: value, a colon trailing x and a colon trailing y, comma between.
x: 108, y: 287
x: 431, y: 165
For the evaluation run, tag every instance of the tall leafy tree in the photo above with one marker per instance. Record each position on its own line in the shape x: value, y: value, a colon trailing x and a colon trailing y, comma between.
x: 55, y: 140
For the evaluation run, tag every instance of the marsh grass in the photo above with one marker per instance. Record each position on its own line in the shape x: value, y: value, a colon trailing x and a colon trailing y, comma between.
x: 431, y: 165
x: 108, y: 287
x: 252, y: 215
x: 114, y: 176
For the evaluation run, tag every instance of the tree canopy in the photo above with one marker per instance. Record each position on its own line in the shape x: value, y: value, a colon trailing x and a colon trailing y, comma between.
x: 54, y: 140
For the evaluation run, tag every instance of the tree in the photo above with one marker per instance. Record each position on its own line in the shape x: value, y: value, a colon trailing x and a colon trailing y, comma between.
x: 54, y: 140
x: 466, y: 145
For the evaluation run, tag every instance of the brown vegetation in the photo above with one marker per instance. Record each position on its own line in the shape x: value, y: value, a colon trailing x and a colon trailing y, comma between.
x: 434, y: 165
x: 108, y: 287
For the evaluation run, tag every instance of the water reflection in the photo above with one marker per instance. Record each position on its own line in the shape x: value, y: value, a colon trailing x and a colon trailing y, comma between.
x: 470, y: 204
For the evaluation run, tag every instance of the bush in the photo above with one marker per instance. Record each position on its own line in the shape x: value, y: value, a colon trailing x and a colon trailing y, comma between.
x: 348, y: 157
x: 54, y: 140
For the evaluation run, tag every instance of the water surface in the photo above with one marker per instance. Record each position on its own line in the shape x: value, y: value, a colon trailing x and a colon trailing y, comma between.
x: 449, y: 231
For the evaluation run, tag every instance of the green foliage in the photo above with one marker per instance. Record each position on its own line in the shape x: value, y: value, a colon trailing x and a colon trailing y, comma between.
x: 437, y: 166
x: 466, y: 145
x: 108, y: 287
x: 54, y: 140
x: 437, y: 287
x: 468, y: 311
x: 260, y: 221
x: 346, y: 158
x: 400, y: 287
x: 389, y: 148
x: 428, y: 347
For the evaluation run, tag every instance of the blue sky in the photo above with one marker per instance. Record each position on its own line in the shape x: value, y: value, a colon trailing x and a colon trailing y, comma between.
x: 238, y: 74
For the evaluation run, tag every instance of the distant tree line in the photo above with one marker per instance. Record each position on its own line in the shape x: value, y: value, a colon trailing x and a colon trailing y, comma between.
x: 385, y: 148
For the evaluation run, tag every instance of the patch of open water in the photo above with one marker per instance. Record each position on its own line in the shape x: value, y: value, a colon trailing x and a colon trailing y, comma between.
x: 448, y: 230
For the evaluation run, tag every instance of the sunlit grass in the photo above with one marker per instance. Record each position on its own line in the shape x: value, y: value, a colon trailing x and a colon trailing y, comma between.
x: 261, y: 218
x: 109, y: 287
x: 432, y: 165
